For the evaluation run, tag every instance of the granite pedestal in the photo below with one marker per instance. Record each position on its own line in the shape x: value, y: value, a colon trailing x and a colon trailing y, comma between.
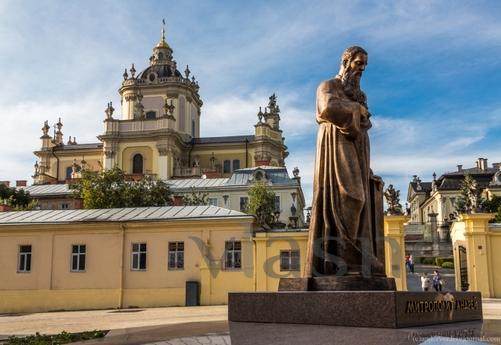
x: 386, y: 309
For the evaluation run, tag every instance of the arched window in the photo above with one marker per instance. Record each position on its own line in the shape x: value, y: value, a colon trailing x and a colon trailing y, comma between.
x: 236, y: 164
x: 137, y: 164
x: 151, y: 115
x: 193, y: 128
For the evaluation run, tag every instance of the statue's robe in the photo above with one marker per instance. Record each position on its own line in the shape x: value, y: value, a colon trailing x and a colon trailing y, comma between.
x: 341, y: 238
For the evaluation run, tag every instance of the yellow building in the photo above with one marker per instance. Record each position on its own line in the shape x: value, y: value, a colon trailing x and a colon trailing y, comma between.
x: 147, y: 257
x: 477, y: 255
x: 114, y: 258
x: 432, y: 206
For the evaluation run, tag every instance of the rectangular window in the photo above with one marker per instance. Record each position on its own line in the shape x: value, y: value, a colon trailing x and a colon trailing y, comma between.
x: 233, y: 255
x: 25, y: 258
x: 289, y: 260
x: 176, y: 255
x: 236, y: 164
x: 244, y: 202
x: 78, y: 257
x: 226, y: 166
x: 277, y: 203
x: 138, y: 256
x: 212, y: 201
x: 65, y: 206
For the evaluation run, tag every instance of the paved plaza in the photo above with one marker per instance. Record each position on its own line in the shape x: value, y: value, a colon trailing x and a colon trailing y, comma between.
x: 161, y: 326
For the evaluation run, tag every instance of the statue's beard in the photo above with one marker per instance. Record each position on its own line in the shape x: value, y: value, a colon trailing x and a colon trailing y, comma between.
x: 351, y: 85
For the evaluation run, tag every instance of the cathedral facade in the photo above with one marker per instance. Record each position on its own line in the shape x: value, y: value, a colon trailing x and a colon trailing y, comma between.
x: 158, y: 132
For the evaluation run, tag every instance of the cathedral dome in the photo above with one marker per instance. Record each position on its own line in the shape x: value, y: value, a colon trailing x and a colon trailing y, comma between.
x: 159, y: 71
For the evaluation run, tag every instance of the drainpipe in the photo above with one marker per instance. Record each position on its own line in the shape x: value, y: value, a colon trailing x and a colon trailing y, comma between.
x: 246, y: 153
x: 122, y: 268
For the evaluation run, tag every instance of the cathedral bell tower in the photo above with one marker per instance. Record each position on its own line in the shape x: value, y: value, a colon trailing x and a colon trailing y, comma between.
x: 160, y: 117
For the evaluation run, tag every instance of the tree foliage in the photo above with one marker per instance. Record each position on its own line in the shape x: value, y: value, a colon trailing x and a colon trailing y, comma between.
x: 494, y: 206
x: 469, y: 200
x: 17, y: 198
x: 111, y: 189
x: 195, y: 198
x: 261, y: 203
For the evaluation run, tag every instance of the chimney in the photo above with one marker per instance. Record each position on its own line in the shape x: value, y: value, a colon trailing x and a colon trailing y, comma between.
x: 5, y: 183
x: 482, y: 164
x: 496, y: 166
x: 21, y: 183
x: 460, y: 167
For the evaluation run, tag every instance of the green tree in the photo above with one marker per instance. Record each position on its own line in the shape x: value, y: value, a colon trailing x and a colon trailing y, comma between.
x: 110, y: 189
x: 494, y: 206
x: 261, y: 203
x: 17, y: 198
x: 469, y: 200
x: 195, y: 198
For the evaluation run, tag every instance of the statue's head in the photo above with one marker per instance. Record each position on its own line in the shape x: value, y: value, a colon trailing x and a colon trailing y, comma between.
x: 353, y: 63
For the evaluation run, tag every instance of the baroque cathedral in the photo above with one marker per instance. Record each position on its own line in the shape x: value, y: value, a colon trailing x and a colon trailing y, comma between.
x: 157, y: 134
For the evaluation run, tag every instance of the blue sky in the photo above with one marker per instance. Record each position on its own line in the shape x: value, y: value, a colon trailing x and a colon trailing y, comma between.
x: 433, y: 79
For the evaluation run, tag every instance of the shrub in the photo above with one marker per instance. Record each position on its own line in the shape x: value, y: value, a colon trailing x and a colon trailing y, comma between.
x: 428, y: 261
x: 440, y: 260
x: 448, y: 264
x: 61, y: 338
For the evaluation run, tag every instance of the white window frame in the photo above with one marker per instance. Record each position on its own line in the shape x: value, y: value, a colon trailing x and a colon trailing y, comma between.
x: 286, y: 255
x: 27, y: 258
x: 175, y: 255
x: 213, y: 201
x: 246, y: 203
x: 232, y: 255
x: 79, y: 254
x: 139, y: 254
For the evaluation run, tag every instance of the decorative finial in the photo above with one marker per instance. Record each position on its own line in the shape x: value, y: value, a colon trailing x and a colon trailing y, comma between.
x: 125, y: 75
x: 169, y: 110
x: 74, y: 140
x: 45, y: 128
x: 163, y: 29
x: 132, y: 71
x: 393, y: 200
x: 260, y: 115
x: 187, y: 72
x: 69, y: 141
x: 434, y: 176
x: 109, y: 111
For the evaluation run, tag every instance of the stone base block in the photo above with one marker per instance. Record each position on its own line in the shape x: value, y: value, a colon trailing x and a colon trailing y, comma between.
x: 386, y: 309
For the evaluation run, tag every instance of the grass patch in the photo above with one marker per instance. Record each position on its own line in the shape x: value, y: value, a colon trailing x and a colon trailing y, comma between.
x: 57, y: 339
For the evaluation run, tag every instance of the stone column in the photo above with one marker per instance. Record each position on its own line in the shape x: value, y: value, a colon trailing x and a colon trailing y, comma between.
x: 162, y: 164
x: 476, y: 238
x: 394, y: 249
x: 434, y: 234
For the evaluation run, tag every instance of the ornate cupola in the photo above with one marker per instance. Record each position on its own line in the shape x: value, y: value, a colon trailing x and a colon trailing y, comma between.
x: 145, y: 94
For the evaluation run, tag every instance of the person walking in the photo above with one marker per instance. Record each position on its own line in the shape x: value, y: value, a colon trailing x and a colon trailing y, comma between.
x: 425, y: 281
x: 411, y: 264
x: 437, y: 281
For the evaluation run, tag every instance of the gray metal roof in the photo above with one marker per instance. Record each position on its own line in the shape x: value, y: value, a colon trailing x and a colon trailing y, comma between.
x: 197, y: 183
x: 48, y: 189
x: 117, y: 215
x: 240, y: 178
x: 228, y: 139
